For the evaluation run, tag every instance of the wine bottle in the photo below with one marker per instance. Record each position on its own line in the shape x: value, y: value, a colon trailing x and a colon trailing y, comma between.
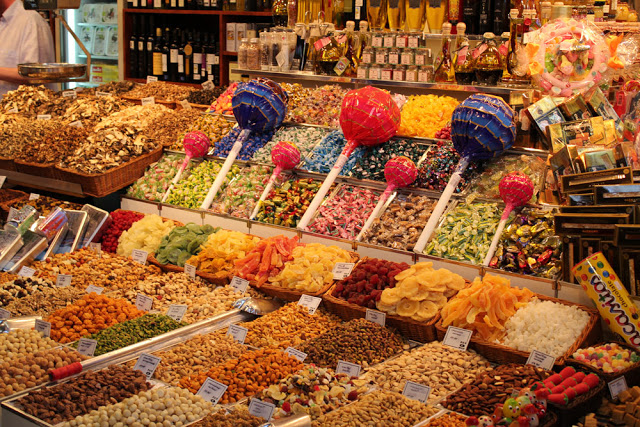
x: 182, y: 76
x: 173, y: 57
x: 188, y: 58
x: 485, y: 24
x: 197, y: 59
x: 149, y: 50
x: 133, y: 50
x: 165, y: 55
x: 470, y: 16
x: 142, y: 54
x: 157, y: 54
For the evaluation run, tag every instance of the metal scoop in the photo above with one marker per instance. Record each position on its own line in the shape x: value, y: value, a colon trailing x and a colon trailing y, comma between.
x: 257, y: 306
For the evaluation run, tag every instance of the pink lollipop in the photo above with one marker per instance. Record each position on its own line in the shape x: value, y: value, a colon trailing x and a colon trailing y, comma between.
x: 516, y: 189
x: 285, y: 155
x: 399, y: 172
x: 196, y: 144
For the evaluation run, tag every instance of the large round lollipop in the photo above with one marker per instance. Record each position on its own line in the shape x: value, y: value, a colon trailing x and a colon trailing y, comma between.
x: 369, y: 116
x: 399, y: 172
x: 516, y: 189
x: 258, y: 106
x: 196, y: 144
x: 482, y: 127
x: 285, y: 155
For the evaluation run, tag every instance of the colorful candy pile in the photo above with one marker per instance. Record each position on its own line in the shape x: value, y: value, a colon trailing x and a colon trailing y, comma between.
x: 222, y: 105
x: 249, y: 147
x: 221, y: 250
x: 371, y: 164
x: 608, y: 357
x: 424, y: 115
x: 440, y: 163
x: 487, y: 182
x: 344, y: 214
x: 305, y: 139
x: 157, y: 178
x: 466, y: 233
x: 266, y: 259
x: 296, y: 93
x: 191, y: 192
x: 287, y: 202
x: 121, y: 221
x: 325, y: 154
x: 320, y: 107
x: 241, y: 194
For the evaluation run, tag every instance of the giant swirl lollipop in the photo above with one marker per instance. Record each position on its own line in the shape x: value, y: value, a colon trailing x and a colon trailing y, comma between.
x: 196, y: 144
x: 482, y: 127
x: 516, y: 190
x: 258, y: 106
x: 285, y: 155
x: 369, y: 116
x: 399, y: 172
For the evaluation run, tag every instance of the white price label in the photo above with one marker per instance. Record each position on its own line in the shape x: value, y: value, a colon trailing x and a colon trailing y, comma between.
x: 63, y: 280
x: 144, y: 302
x: 151, y: 79
x: 457, y: 338
x: 44, y: 117
x: 69, y: 94
x: 140, y: 256
x: 376, y: 41
x: 5, y: 314
x: 34, y: 196
x: 617, y: 386
x: 150, y: 100
x: 190, y: 270
x: 310, y: 302
x: 351, y: 369
x: 2, y: 180
x: 185, y: 104
x: 239, y: 284
x: 342, y: 270
x: 376, y: 316
x: 238, y: 333
x: 76, y: 124
x: 103, y: 94
x: 541, y: 360
x: 295, y: 353
x: 43, y: 327
x: 87, y: 347
x: 389, y: 41
x: 282, y: 58
x: 93, y: 288
x: 147, y: 364
x: 529, y: 36
x: 212, y: 390
x: 359, y: 3
x: 177, y: 311
x: 96, y: 247
x: 208, y: 85
x: 26, y: 271
x: 416, y: 391
x: 261, y: 409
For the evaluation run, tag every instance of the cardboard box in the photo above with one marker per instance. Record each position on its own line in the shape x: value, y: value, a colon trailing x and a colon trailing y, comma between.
x: 241, y: 32
x: 231, y: 37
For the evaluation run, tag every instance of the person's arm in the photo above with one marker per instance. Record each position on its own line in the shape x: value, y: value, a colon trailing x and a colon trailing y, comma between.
x: 11, y: 75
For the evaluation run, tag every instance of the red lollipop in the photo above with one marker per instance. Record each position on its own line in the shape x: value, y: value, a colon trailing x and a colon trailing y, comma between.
x: 516, y: 189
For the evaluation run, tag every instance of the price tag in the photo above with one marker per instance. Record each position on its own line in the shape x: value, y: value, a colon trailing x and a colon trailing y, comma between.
x: 150, y: 100
x: 376, y: 41
x: 76, y: 124
x: 14, y: 110
x: 2, y: 180
x: 617, y: 386
x: 103, y: 94
x: 208, y: 85
x: 358, y: 12
x: 528, y: 37
x: 96, y: 247
x: 87, y: 346
x: 457, y: 338
x: 43, y: 327
x: 140, y: 256
x: 261, y: 409
x: 376, y: 316
x: 310, y: 302
x: 295, y: 353
x: 151, y: 79
x: 34, y: 196
x: 177, y: 311
x: 361, y: 73
x: 70, y: 94
x: 541, y: 360
x: 144, y: 302
x: 185, y: 104
x: 212, y: 390
x: 389, y: 41
x: 416, y: 391
x: 5, y: 314
x: 93, y: 288
x: 282, y: 58
x: 239, y: 284
x: 359, y: 3
x: 351, y: 369
x: 63, y: 280
x: 44, y: 117
x: 26, y: 271
x: 190, y: 270
x: 147, y: 364
x: 238, y: 333
x: 414, y: 41
x: 342, y: 270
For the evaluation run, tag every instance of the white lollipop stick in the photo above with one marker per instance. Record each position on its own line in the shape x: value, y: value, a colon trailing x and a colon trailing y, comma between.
x: 496, y: 238
x: 374, y: 214
x: 267, y: 190
x: 175, y: 180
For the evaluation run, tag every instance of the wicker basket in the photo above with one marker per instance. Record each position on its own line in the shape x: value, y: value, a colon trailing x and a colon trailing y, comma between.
x: 568, y: 415
x: 502, y: 354
x: 45, y: 170
x: 631, y: 374
x: 113, y: 180
x: 138, y: 101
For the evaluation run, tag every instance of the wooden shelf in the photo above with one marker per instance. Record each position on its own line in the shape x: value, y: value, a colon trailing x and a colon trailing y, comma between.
x: 197, y: 12
x: 227, y: 53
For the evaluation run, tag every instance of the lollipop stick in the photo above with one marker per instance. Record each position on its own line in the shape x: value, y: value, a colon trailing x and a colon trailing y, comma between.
x: 175, y: 179
x: 494, y: 242
x: 440, y: 207
x: 226, y: 166
x: 267, y: 190
x: 374, y: 214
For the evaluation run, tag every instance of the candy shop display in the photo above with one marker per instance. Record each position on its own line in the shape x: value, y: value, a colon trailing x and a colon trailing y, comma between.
x: 267, y: 259
x: 487, y: 181
x: 240, y: 196
x: 327, y: 151
x: 305, y: 138
x: 214, y: 126
x: 609, y: 358
x: 121, y: 222
x: 182, y: 243
x: 297, y: 94
x: 249, y: 147
x: 320, y: 107
x: 311, y: 268
x: 144, y: 234
x: 424, y: 115
x: 222, y: 105
x: 562, y: 388
x: 191, y: 191
x: 156, y: 180
x: 195, y: 145
x: 357, y: 341
x: 443, y: 368
x: 220, y: 251
x: 420, y: 292
x: 371, y: 164
x: 288, y: 202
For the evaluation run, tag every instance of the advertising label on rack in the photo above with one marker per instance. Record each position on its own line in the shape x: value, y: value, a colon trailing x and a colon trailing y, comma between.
x: 239, y: 284
x: 457, y: 338
x: 416, y: 391
x: 261, y: 409
x: 26, y: 271
x: 63, y: 280
x: 376, y: 316
x: 617, y: 386
x: 351, y: 369
x: 140, y: 256
x: 144, y: 302
x: 87, y: 347
x: 238, y: 333
x: 341, y: 270
x: 212, y: 390
x: 190, y: 270
x: 208, y: 85
x: 147, y: 364
x: 541, y: 360
x: 177, y: 311
x: 150, y: 100
x: 151, y: 79
x: 310, y: 302
x: 4, y: 314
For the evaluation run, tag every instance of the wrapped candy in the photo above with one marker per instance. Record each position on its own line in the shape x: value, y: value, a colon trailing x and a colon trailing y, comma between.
x: 196, y: 144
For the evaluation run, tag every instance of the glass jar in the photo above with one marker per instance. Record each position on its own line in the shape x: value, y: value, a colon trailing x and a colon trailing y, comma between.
x: 274, y: 50
x: 402, y: 40
x: 425, y: 74
x: 414, y: 41
x: 242, y: 54
x: 407, y: 57
x: 368, y: 55
x: 394, y: 56
x: 399, y: 73
x: 387, y: 72
x: 389, y: 40
x: 363, y: 71
x: 265, y: 62
x: 253, y: 54
x: 375, y: 72
x: 376, y: 40
x: 382, y: 56
x: 420, y: 57
x: 412, y: 73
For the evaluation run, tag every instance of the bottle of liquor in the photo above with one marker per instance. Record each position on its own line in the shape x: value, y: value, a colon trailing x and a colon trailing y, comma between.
x: 216, y: 66
x: 157, y: 54
x: 463, y: 63
x: 516, y: 26
x: 210, y: 54
x: 133, y: 50
x: 142, y: 54
x: 188, y: 58
x: 485, y: 24
x: 149, y: 50
x: 444, y: 71
x: 470, y: 15
x: 182, y: 75
x: 503, y: 49
x: 165, y: 55
x: 487, y: 64
x: 377, y: 14
x: 197, y: 59
x: 173, y: 57
x: 363, y: 39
